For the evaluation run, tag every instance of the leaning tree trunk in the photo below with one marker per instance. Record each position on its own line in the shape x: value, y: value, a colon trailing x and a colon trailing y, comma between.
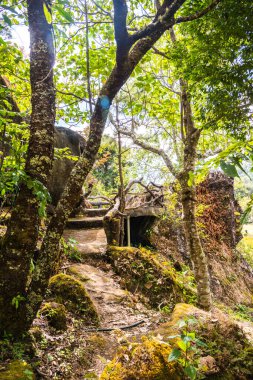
x: 20, y: 240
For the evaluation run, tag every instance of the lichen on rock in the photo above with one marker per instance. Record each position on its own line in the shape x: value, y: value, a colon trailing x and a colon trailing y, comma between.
x: 72, y: 294
x: 225, y: 342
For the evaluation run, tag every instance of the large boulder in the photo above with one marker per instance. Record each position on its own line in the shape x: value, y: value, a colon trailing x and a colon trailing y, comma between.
x: 149, y: 274
x: 64, y: 138
x: 66, y: 290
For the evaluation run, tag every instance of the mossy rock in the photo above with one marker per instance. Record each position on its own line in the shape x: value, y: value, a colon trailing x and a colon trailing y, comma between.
x: 55, y: 314
x: 71, y: 293
x: 224, y: 340
x: 17, y: 370
x: 142, y: 270
x: 145, y: 361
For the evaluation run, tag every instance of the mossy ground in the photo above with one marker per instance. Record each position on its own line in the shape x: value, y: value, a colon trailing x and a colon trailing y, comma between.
x: 224, y: 340
x: 224, y: 345
x: 17, y: 370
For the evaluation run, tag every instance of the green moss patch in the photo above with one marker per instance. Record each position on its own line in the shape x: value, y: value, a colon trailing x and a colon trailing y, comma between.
x: 143, y: 271
x: 148, y: 360
x: 71, y: 293
x: 56, y: 315
x: 17, y: 370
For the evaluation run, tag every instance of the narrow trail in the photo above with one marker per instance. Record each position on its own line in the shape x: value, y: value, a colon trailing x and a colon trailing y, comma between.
x: 116, y: 307
x: 81, y: 352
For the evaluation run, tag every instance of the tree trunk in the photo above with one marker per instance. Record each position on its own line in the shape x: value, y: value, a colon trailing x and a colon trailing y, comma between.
x: 195, y: 247
x: 20, y: 240
x: 193, y: 241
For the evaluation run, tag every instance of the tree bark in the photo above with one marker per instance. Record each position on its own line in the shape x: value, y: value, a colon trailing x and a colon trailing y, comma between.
x: 188, y: 198
x: 20, y: 240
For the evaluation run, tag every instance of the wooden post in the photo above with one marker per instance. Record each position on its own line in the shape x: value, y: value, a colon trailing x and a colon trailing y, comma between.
x: 128, y: 232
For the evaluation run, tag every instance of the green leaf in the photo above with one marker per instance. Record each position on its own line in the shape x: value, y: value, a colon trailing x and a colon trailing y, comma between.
x: 191, y: 179
x: 65, y: 14
x: 229, y: 169
x: 174, y: 355
x: 181, y: 324
x: 11, y: 9
x: 47, y: 13
x: 190, y: 371
x: 182, y: 345
x: 7, y: 20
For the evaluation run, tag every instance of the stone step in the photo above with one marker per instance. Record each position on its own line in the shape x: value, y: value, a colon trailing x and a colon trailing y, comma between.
x: 91, y: 212
x: 85, y: 222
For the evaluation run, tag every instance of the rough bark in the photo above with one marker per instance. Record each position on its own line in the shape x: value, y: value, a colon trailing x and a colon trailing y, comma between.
x: 190, y: 136
x: 21, y: 237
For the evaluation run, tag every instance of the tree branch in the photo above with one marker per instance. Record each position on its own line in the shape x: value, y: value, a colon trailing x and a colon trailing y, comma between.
x: 164, y: 19
x: 120, y: 30
x: 150, y: 148
x: 198, y: 14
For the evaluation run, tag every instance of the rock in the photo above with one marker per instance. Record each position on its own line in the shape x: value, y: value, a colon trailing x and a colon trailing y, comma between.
x: 73, y: 295
x: 145, y: 361
x: 225, y: 353
x: 218, y: 216
x: 64, y: 138
x: 55, y: 314
x: 17, y: 370
x: 141, y: 270
x: 208, y: 365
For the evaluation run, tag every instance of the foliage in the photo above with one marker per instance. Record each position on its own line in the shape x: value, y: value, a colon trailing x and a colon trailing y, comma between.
x: 188, y: 350
x: 70, y: 250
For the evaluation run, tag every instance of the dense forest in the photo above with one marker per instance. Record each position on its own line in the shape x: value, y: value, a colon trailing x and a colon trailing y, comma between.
x: 126, y: 189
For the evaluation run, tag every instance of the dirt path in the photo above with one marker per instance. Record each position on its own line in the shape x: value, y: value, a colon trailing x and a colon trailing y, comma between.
x: 116, y: 308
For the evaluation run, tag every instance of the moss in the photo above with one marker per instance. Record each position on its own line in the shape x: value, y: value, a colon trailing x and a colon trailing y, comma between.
x: 56, y: 315
x: 72, y: 294
x: 145, y: 272
x: 223, y: 338
x: 17, y: 369
x: 145, y: 361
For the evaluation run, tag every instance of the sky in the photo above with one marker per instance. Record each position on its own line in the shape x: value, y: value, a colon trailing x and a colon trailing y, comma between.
x: 20, y: 36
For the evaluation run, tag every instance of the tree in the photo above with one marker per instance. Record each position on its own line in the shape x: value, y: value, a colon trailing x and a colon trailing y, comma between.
x: 19, y: 243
